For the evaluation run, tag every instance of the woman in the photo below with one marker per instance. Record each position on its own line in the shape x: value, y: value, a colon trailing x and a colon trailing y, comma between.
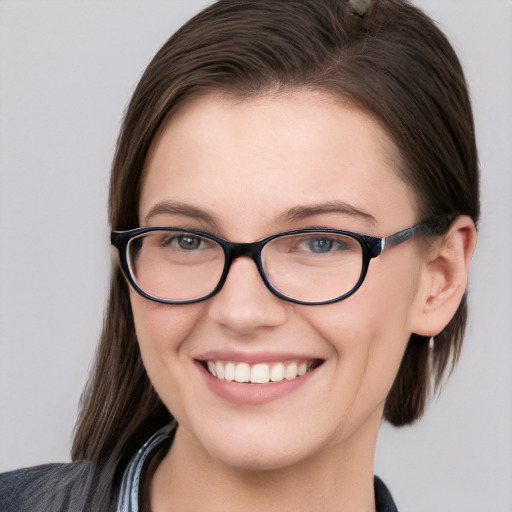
x: 332, y: 144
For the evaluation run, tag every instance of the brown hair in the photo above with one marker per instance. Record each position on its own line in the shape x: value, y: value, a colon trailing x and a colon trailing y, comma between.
x: 393, y: 63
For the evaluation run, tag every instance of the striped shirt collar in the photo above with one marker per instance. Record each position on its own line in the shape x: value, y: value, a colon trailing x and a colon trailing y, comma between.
x: 132, y: 485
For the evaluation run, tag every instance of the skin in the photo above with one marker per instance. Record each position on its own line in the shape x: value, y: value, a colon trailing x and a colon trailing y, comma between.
x: 245, y: 164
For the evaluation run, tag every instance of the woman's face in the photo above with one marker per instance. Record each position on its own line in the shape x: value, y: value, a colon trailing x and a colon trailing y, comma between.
x: 243, y: 170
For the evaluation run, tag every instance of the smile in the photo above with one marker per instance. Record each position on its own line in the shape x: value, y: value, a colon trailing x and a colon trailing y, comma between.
x: 260, y: 373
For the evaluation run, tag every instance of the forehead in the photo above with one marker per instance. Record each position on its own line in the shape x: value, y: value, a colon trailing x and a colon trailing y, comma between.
x: 269, y: 154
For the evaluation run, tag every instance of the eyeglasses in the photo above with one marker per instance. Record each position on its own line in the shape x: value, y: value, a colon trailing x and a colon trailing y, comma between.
x: 304, y: 266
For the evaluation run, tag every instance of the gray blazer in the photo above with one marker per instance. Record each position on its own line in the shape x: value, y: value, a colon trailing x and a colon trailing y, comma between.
x: 48, y: 488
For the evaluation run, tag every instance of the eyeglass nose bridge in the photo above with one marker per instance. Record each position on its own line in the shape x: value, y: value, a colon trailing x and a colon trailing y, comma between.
x: 251, y: 250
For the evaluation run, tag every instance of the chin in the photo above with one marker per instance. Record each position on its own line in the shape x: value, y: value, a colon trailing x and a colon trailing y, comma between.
x: 258, y: 446
x: 258, y: 458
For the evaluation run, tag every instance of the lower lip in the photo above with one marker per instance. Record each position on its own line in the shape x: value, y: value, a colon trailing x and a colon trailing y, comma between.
x: 246, y: 393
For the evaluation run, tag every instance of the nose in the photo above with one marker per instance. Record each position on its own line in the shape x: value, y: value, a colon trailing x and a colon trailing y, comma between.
x: 244, y: 304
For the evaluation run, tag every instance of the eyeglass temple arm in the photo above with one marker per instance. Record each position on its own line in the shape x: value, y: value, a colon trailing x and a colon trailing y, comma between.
x: 433, y: 227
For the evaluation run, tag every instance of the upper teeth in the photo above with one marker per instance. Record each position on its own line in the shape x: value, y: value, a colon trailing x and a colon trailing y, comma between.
x: 260, y: 373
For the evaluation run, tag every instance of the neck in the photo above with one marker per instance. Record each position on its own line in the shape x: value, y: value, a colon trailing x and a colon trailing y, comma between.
x: 339, y: 479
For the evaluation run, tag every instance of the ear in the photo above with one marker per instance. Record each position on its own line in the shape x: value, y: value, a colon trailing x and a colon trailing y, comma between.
x: 444, y: 277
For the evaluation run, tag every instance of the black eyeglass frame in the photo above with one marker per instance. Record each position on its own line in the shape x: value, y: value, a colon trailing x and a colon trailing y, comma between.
x: 372, y: 246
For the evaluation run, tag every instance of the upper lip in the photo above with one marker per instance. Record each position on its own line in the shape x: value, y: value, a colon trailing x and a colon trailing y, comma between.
x: 254, y: 357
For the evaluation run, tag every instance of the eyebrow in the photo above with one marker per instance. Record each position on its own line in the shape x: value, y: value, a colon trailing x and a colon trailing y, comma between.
x: 293, y: 214
x: 338, y: 207
x: 178, y: 208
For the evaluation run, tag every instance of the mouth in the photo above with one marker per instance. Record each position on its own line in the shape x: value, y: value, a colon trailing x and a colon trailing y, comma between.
x: 260, y: 373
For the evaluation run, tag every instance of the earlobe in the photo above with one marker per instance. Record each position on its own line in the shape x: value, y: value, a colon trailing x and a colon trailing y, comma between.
x: 444, y: 277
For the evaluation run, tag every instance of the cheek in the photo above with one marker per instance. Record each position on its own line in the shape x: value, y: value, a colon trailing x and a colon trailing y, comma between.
x: 390, y: 295
x: 162, y: 332
x: 370, y: 330
x: 162, y: 327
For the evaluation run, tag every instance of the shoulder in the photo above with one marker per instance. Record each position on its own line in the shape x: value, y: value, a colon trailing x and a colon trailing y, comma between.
x: 50, y: 487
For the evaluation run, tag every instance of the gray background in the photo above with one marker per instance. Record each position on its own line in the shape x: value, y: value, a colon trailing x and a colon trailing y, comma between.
x: 67, y: 71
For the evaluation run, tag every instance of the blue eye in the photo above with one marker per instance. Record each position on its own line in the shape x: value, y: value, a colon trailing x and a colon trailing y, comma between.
x: 187, y: 242
x: 323, y: 245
